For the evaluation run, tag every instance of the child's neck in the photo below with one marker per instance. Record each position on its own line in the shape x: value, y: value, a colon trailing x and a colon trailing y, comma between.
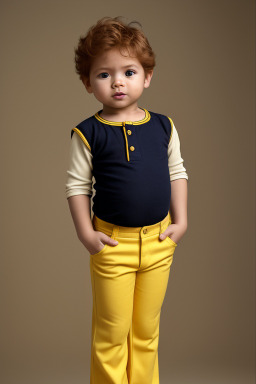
x: 122, y: 114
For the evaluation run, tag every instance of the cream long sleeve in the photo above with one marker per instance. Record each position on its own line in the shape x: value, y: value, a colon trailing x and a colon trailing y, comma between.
x: 79, y: 173
x: 175, y: 161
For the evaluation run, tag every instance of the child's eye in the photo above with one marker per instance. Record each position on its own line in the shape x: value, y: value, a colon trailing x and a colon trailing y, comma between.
x: 130, y: 70
x: 103, y: 73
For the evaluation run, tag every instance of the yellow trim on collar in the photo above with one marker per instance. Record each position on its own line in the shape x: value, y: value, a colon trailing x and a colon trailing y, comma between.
x: 82, y: 137
x: 172, y: 127
x: 144, y: 120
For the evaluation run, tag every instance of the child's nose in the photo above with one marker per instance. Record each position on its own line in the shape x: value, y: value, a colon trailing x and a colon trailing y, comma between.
x: 118, y: 81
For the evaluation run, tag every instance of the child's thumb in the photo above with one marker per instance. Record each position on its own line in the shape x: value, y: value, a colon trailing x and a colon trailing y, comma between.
x: 108, y: 240
x: 113, y: 242
x: 162, y: 236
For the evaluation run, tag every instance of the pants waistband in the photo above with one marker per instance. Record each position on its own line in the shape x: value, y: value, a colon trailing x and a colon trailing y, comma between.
x: 136, y: 232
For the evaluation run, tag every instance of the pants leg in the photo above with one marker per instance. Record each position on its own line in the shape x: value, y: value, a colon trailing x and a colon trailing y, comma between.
x: 150, y: 289
x: 129, y: 282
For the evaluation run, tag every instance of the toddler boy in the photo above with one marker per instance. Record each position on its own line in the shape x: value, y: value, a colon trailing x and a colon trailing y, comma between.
x: 140, y: 204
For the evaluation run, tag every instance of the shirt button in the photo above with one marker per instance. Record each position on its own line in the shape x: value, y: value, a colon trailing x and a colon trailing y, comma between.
x: 132, y: 148
x: 129, y: 132
x: 145, y: 230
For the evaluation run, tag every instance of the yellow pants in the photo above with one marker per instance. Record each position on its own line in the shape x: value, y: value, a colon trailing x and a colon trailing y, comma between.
x: 129, y: 282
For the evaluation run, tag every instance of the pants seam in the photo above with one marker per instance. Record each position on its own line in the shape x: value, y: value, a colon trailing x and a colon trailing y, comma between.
x: 131, y: 352
x: 95, y: 322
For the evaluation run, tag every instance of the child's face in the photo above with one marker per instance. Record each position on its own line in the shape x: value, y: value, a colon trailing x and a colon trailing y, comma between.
x: 111, y: 72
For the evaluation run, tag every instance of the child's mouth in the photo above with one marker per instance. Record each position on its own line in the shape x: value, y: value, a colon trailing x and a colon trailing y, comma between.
x: 119, y: 96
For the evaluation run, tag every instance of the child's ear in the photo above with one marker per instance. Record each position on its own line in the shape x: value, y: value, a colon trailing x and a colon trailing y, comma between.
x: 148, y: 77
x: 87, y: 85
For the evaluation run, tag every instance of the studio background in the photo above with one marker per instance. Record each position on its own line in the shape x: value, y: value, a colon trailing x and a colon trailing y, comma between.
x: 205, y: 81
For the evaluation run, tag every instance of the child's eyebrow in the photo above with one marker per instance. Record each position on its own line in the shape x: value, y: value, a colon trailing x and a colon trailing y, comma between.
x: 126, y: 66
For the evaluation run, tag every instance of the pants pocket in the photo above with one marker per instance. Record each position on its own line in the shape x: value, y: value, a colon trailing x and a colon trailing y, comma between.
x: 101, y: 251
x: 168, y: 238
x: 106, y: 246
x: 171, y: 241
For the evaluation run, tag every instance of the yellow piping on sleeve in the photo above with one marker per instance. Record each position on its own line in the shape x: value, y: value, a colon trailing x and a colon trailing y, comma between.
x: 171, y: 128
x: 82, y: 137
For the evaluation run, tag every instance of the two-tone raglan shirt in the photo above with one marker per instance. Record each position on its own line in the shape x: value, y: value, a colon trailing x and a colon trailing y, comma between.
x: 133, y: 164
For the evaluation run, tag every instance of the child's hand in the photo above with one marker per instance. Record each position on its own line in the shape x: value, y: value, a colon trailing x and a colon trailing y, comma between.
x: 97, y: 241
x: 174, y: 231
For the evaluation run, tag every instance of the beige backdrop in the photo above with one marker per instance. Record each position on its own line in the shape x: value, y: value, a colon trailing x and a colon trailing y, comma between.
x: 204, y: 80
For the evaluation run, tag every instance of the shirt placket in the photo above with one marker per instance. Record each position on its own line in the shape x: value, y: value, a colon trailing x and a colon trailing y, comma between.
x: 131, y: 143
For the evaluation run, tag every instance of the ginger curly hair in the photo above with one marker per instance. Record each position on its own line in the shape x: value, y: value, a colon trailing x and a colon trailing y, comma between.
x: 109, y: 33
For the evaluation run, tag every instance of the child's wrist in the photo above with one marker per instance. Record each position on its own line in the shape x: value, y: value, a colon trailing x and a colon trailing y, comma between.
x: 181, y: 224
x: 86, y: 237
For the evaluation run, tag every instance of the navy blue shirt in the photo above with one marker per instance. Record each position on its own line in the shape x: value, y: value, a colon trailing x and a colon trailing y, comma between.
x: 130, y: 167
